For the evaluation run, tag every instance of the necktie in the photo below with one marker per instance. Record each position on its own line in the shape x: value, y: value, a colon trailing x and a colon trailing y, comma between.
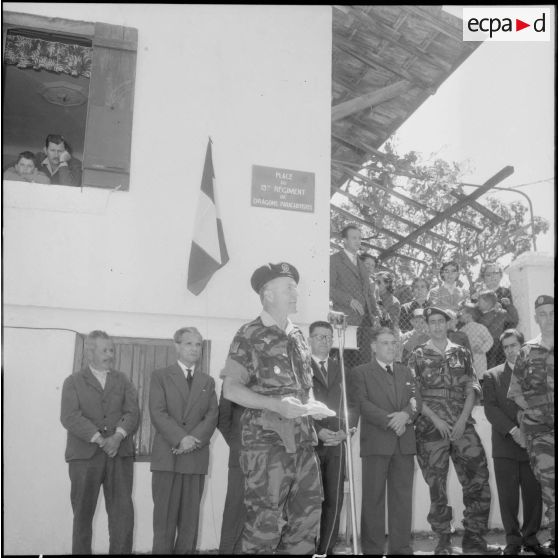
x: 389, y: 370
x: 190, y: 377
x: 323, y: 369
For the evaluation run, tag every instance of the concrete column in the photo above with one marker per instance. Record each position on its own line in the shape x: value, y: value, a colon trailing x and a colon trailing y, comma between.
x: 531, y: 275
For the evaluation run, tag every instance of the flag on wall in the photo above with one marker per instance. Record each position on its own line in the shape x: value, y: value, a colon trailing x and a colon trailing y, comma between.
x: 209, y: 251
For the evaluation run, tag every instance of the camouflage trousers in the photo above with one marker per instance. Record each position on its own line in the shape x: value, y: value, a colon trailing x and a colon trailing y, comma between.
x: 540, y: 447
x: 470, y: 464
x: 283, y: 499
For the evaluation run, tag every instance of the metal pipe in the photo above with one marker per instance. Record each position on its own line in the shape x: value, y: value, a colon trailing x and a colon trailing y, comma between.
x: 341, y: 338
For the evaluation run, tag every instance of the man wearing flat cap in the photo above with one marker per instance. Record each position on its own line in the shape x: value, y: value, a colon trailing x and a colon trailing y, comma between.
x: 269, y: 371
x: 448, y: 387
x: 532, y: 389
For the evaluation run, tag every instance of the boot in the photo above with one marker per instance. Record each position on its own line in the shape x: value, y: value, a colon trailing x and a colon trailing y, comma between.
x: 444, y: 545
x: 474, y: 543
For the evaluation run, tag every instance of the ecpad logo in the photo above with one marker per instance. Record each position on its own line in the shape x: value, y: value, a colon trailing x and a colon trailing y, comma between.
x: 506, y: 24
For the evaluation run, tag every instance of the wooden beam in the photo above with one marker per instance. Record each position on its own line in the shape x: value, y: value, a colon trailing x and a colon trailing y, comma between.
x: 369, y: 100
x: 411, y: 201
x: 374, y: 61
x: 481, y: 209
x: 413, y: 226
x: 364, y: 149
x: 496, y: 179
x: 397, y: 39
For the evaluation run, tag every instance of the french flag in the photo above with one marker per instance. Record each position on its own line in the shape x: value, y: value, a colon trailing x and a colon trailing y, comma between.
x: 209, y: 251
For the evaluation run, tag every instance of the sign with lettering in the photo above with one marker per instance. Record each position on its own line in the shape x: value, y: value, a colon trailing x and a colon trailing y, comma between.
x: 283, y: 189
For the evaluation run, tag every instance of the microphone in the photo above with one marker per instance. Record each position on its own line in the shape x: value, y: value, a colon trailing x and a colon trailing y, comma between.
x: 337, y: 319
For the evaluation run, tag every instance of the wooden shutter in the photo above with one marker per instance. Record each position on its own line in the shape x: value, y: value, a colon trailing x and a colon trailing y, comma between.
x: 108, y: 132
x: 137, y: 358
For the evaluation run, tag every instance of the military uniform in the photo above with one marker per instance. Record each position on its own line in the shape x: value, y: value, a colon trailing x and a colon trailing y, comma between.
x: 532, y: 389
x: 283, y: 493
x: 444, y: 381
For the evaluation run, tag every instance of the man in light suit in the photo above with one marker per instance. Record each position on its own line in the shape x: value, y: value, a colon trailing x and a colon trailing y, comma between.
x: 100, y: 412
x: 184, y: 411
x: 351, y: 291
x: 511, y: 462
x: 331, y: 450
x: 385, y: 391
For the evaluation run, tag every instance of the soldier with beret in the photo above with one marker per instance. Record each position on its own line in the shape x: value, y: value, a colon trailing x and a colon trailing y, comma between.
x: 268, y: 371
x: 448, y: 387
x: 532, y: 389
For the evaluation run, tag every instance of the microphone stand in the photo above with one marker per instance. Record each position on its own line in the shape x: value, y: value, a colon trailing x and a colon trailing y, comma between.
x: 340, y: 326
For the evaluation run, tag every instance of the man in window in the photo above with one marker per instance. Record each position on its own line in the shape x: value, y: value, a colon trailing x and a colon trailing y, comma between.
x: 100, y: 412
x: 184, y: 410
x: 25, y: 170
x: 57, y: 162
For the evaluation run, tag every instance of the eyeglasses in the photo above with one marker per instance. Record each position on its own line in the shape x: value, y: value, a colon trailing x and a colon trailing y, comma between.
x: 450, y: 270
x: 328, y: 338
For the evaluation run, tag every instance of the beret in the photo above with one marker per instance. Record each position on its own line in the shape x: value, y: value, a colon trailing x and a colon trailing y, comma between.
x: 270, y: 271
x: 431, y: 310
x: 543, y: 299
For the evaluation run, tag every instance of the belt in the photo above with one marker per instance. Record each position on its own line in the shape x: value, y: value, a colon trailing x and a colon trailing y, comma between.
x: 442, y: 393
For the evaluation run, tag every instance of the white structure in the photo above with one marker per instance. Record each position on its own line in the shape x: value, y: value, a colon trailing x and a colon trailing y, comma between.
x: 531, y: 275
x: 257, y: 79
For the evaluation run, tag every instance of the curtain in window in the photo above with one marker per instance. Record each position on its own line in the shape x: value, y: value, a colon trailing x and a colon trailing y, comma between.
x: 137, y: 358
x: 39, y: 54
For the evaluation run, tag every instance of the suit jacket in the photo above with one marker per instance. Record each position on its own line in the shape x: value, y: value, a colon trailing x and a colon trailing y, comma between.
x: 371, y: 387
x: 88, y: 408
x: 501, y: 412
x: 229, y: 426
x: 347, y: 281
x: 177, y: 411
x: 331, y: 394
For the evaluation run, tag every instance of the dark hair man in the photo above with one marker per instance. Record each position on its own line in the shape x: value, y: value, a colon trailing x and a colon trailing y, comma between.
x: 532, y: 389
x: 419, y: 288
x: 57, y: 163
x: 496, y: 320
x: 100, y: 412
x: 331, y: 450
x: 269, y: 372
x: 448, y: 387
x: 183, y: 408
x: 511, y: 462
x: 385, y: 392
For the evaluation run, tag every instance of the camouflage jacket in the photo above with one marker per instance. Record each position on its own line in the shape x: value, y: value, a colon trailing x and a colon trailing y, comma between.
x: 278, y: 364
x: 532, y: 386
x: 444, y: 380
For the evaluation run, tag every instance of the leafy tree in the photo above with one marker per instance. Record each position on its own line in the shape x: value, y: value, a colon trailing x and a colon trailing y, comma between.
x: 433, y: 184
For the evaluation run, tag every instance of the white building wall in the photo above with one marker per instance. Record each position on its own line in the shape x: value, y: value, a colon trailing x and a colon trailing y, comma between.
x: 257, y: 79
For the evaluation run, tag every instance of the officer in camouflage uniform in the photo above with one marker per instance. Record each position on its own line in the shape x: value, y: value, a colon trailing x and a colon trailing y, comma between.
x: 448, y: 389
x: 532, y: 389
x: 268, y: 370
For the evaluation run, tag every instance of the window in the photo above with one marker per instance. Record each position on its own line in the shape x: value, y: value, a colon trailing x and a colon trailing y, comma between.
x: 86, y: 94
x: 138, y: 358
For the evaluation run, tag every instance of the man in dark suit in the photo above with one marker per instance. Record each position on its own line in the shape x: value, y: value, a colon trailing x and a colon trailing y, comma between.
x: 184, y: 411
x: 351, y: 291
x: 234, y: 513
x: 100, y: 412
x: 331, y: 450
x: 385, y: 392
x: 511, y: 462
